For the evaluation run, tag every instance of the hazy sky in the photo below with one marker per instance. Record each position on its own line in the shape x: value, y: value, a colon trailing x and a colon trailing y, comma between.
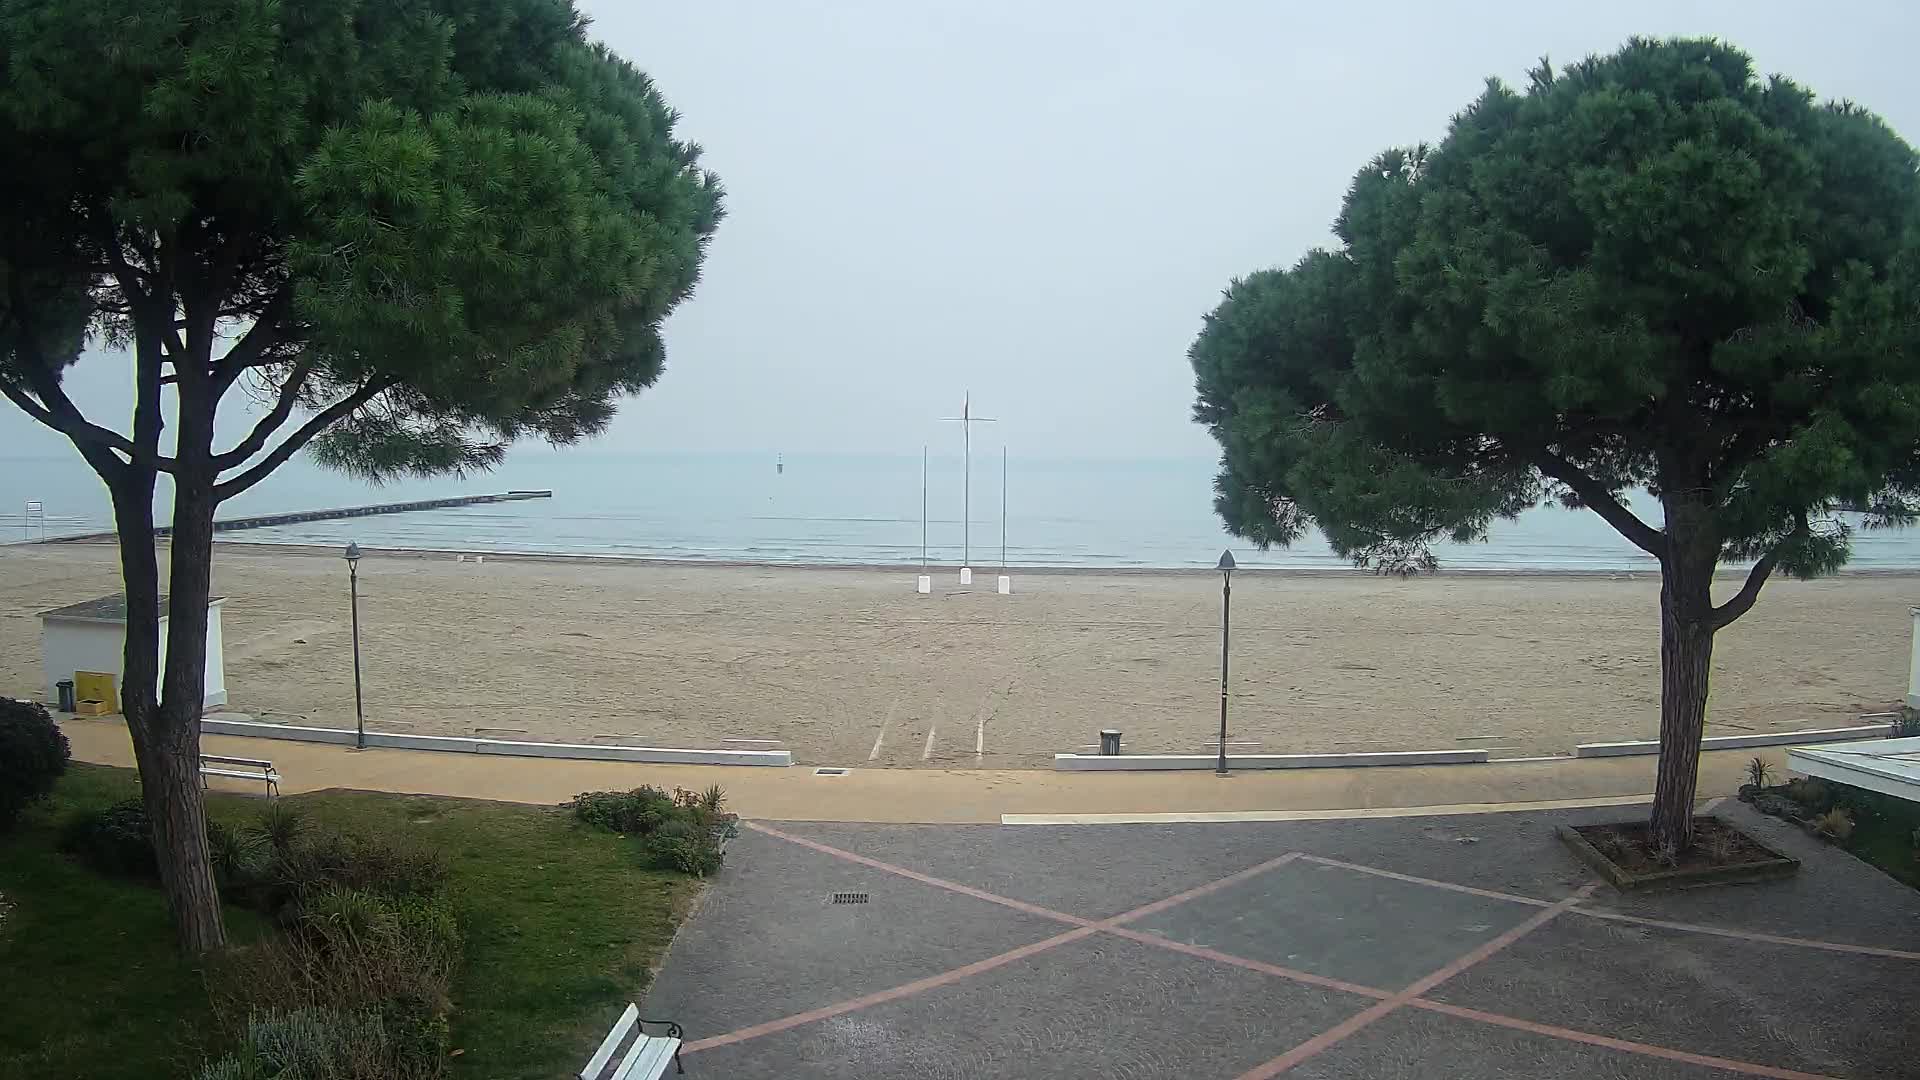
x: 1038, y: 201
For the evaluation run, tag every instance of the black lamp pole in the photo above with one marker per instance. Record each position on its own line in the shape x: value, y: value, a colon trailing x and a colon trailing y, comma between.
x: 353, y: 584
x: 1226, y: 637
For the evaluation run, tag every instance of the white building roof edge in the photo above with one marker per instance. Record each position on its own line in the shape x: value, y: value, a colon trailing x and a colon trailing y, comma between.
x: 1888, y: 766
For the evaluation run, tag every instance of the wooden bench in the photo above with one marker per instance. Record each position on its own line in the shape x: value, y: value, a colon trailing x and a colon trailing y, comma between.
x: 240, y: 768
x: 641, y: 1056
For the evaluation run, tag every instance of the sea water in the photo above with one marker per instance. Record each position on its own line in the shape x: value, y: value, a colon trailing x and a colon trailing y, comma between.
x: 831, y: 508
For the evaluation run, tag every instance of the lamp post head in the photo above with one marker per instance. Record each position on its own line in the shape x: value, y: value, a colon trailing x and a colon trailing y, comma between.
x: 1226, y: 561
x: 353, y: 554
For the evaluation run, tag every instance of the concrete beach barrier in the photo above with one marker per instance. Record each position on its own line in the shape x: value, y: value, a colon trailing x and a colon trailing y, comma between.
x: 1159, y: 762
x: 1735, y: 742
x: 658, y: 755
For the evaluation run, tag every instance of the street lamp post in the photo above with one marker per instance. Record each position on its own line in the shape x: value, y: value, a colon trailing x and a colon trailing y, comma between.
x: 353, y: 585
x: 1226, y: 637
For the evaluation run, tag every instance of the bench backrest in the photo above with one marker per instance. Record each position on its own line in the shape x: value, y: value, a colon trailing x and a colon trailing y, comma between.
x: 611, y: 1044
x: 265, y: 766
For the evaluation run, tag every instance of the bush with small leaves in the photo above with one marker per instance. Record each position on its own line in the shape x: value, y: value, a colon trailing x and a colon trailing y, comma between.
x: 687, y: 846
x: 115, y: 839
x: 635, y: 813
x: 1906, y: 723
x: 33, y: 754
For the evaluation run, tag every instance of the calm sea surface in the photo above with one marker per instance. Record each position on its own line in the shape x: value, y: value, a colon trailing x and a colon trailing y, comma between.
x: 830, y: 509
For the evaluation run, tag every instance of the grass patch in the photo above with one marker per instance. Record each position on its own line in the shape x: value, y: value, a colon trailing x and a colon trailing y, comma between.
x: 561, y: 928
x: 95, y: 987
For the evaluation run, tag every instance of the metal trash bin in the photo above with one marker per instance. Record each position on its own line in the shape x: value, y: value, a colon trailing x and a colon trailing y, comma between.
x: 65, y: 686
x: 1109, y: 742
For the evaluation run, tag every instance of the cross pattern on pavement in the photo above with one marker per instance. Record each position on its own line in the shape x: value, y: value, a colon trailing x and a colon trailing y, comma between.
x: 1406, y: 948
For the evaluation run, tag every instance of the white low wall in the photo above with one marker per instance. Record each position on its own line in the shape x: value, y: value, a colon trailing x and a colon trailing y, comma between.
x: 658, y: 755
x: 1735, y: 742
x: 1145, y: 762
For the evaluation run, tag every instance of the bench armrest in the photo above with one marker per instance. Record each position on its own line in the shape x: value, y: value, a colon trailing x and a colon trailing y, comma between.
x: 673, y: 1029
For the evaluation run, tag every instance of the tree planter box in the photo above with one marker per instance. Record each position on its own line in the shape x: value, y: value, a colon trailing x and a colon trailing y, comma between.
x: 1763, y: 863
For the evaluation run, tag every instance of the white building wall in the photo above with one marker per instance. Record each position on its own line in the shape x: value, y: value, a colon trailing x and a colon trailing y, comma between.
x: 70, y: 645
x: 67, y: 646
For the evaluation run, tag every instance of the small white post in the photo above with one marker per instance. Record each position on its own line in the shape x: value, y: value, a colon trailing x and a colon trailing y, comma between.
x: 925, y: 585
x: 966, y: 575
x: 1913, y: 664
x: 479, y: 558
x: 459, y: 558
x: 1006, y: 585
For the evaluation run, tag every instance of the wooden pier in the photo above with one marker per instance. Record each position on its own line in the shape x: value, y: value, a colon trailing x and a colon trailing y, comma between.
x: 261, y: 521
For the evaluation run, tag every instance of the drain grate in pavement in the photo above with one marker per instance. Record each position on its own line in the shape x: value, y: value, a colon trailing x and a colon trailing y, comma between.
x: 829, y: 772
x: 849, y: 898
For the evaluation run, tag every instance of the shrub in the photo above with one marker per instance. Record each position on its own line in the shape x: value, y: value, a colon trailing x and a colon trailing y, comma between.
x: 1720, y: 845
x: 33, y: 754
x: 1810, y: 792
x: 115, y: 839
x: 637, y: 812
x: 1759, y: 772
x: 240, y: 857
x: 683, y: 831
x: 348, y: 948
x: 335, y: 1044
x: 282, y: 825
x: 1835, y: 825
x: 320, y: 860
x: 1906, y: 724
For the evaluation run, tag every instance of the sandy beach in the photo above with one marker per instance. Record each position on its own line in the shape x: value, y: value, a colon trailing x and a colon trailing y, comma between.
x: 850, y: 667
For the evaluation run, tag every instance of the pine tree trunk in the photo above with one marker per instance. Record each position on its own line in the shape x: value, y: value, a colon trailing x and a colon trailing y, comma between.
x: 1686, y: 658
x: 166, y: 738
x: 174, y: 797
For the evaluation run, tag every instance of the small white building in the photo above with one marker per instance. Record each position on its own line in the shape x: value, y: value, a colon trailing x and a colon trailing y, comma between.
x: 92, y: 637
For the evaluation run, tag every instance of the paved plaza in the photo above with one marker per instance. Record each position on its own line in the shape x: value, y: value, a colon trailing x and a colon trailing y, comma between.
x: 1470, y: 947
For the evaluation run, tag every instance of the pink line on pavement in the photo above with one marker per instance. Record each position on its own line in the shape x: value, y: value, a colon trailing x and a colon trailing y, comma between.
x: 1386, y: 1001
x: 1261, y: 966
x: 1335, y: 1034
x: 1689, y: 928
x: 884, y: 996
x: 1085, y: 928
x: 1631, y: 1047
x: 1429, y: 882
x: 1748, y: 935
x: 924, y: 879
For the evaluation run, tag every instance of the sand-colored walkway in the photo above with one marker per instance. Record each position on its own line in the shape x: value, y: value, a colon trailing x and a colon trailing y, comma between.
x: 941, y: 795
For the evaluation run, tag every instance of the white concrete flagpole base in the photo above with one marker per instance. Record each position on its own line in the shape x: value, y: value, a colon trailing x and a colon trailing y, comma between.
x: 966, y: 575
x: 924, y: 586
x: 1006, y: 585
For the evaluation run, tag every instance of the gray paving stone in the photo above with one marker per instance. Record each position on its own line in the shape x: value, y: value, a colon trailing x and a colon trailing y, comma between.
x: 1331, y: 921
x: 1104, y: 1007
x: 766, y: 940
x: 1415, y: 1045
x: 767, y: 944
x: 1789, y: 1008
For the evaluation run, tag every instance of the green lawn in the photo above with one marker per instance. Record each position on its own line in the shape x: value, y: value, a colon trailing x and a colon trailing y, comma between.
x: 561, y: 927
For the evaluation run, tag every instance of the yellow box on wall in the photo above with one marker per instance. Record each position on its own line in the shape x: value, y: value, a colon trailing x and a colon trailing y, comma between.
x: 97, y: 686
